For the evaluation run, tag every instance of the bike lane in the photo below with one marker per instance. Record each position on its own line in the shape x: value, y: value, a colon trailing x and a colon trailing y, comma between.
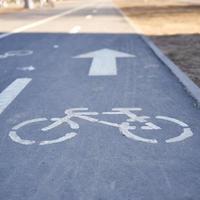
x: 99, y: 162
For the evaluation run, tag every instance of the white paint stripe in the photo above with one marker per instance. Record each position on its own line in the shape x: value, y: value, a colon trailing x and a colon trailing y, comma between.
x: 61, y: 139
x: 125, y: 131
x: 109, y: 123
x: 13, y: 135
x: 55, y: 46
x: 16, y: 53
x: 187, y: 133
x: 173, y: 120
x: 104, y: 61
x: 28, y: 122
x: 28, y: 68
x: 75, y: 29
x: 150, y: 126
x: 23, y: 28
x: 12, y: 91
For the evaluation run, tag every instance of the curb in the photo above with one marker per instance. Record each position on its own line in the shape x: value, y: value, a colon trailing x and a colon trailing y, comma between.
x: 190, y: 86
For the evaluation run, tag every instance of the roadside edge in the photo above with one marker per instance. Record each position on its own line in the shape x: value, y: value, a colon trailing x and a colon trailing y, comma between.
x: 190, y: 86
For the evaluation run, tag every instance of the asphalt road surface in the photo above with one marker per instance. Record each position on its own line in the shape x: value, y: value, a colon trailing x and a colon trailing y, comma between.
x: 88, y: 112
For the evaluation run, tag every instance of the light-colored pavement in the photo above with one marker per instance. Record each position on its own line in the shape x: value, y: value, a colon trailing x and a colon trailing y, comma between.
x: 103, y: 19
x: 13, y: 21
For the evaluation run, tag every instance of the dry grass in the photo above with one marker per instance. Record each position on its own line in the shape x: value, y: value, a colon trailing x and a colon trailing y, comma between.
x: 174, y: 26
x: 11, y: 8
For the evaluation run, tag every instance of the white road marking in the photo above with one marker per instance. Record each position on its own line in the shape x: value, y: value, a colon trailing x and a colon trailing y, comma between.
x: 187, y: 133
x: 109, y: 123
x: 104, y: 61
x: 40, y: 22
x: 28, y: 68
x: 124, y: 129
x: 75, y: 29
x: 22, y: 124
x: 88, y: 17
x: 176, y: 121
x: 12, y: 91
x: 55, y: 46
x: 14, y: 137
x: 16, y: 53
x: 61, y: 139
x: 150, y: 126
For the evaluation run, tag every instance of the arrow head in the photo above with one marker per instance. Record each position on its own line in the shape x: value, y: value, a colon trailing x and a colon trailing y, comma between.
x: 106, y: 53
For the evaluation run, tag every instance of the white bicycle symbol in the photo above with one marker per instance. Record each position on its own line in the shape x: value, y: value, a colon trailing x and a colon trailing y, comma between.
x: 82, y: 113
x: 16, y: 53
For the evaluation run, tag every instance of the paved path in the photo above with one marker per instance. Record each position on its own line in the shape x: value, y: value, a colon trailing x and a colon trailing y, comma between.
x: 134, y: 134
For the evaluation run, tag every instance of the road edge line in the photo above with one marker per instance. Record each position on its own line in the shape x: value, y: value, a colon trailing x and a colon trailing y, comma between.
x: 43, y: 21
x: 190, y: 86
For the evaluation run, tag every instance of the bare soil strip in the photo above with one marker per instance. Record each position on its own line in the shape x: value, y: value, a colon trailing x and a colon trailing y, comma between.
x: 174, y: 26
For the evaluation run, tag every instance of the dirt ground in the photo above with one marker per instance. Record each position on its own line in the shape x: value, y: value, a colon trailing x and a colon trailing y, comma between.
x: 10, y: 10
x: 174, y: 26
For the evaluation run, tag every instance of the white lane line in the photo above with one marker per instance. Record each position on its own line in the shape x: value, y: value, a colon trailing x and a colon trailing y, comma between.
x: 88, y: 17
x: 23, y: 28
x: 75, y: 29
x: 12, y: 91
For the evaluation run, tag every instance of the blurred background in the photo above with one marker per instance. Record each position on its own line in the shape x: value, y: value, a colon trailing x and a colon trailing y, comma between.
x: 173, y: 25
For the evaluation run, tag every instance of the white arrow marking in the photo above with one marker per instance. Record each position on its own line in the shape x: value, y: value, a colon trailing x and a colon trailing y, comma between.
x: 29, y: 68
x: 12, y: 91
x: 104, y: 61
